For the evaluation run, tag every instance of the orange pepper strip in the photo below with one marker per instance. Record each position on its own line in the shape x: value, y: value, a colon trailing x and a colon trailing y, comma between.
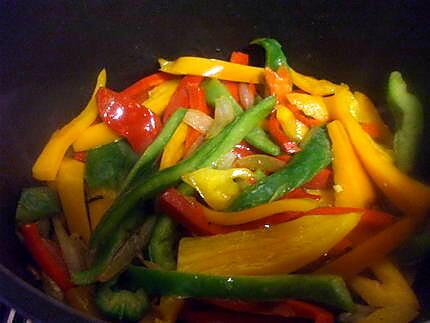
x: 409, y: 195
x: 355, y: 188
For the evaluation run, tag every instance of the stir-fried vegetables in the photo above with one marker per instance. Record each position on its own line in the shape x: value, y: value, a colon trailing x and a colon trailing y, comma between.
x: 252, y: 189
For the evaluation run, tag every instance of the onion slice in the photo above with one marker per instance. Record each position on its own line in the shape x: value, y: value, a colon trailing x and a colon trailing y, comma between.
x: 224, y: 114
x: 198, y: 120
x: 245, y: 96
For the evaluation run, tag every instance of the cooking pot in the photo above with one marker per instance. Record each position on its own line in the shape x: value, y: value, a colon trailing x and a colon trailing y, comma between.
x: 51, y: 51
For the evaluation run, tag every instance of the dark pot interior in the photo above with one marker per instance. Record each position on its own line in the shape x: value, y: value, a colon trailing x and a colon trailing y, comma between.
x: 50, y: 52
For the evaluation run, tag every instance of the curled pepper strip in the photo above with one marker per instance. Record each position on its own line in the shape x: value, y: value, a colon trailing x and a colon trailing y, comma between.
x: 48, y: 163
x: 390, y: 293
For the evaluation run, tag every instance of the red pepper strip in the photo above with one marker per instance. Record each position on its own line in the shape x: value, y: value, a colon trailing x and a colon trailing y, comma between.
x: 320, y: 181
x: 372, y: 219
x: 279, y: 83
x: 197, y: 101
x: 190, y: 214
x: 285, y: 157
x: 139, y: 90
x: 372, y: 129
x: 127, y: 118
x: 233, y: 88
x: 275, y: 130
x: 80, y: 156
x: 288, y: 308
x: 310, y: 122
x: 243, y: 149
x: 239, y: 58
x: 299, y: 193
x: 180, y: 99
x: 340, y: 248
x: 45, y: 256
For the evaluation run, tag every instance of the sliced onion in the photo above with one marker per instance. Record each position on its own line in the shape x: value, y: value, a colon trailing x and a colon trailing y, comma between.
x: 50, y: 287
x: 73, y: 254
x: 224, y: 114
x: 246, y: 97
x: 226, y: 161
x: 198, y: 120
x: 129, y: 250
x: 260, y: 162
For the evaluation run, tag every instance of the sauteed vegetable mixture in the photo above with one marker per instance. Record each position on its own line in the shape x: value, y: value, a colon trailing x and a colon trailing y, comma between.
x: 216, y: 191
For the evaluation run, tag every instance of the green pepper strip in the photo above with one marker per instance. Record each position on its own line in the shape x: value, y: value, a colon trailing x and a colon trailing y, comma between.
x: 108, y: 165
x: 315, y: 155
x: 325, y: 289
x: 161, y: 248
x: 144, y: 165
x: 207, y: 153
x: 275, y: 57
x: 408, y: 114
x: 122, y: 304
x: 37, y: 203
x: 107, y: 252
x: 214, y: 90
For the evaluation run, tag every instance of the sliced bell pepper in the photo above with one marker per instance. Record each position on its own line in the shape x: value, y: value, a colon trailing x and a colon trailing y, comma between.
x: 218, y: 187
x: 328, y: 290
x: 289, y: 246
x: 70, y: 186
x: 311, y: 105
x: 315, y: 156
x: 48, y: 163
x: 174, y: 149
x: 180, y: 99
x: 214, y: 90
x: 213, y: 68
x: 127, y: 118
x: 164, y: 237
x: 122, y: 304
x: 169, y: 308
x: 356, y: 187
x: 373, y: 249
x: 139, y: 90
x: 49, y: 261
x: 36, y: 203
x: 96, y: 135
x: 390, y: 294
x: 369, y: 115
x: 288, y: 308
x: 108, y: 165
x: 279, y: 83
x: 146, y: 162
x: 274, y: 128
x: 292, y: 127
x: 409, y: 195
x: 409, y: 116
x: 312, y: 85
x: 97, y: 209
x: 210, y: 151
x: 275, y: 57
x: 160, y: 96
x: 320, y: 180
x: 192, y: 215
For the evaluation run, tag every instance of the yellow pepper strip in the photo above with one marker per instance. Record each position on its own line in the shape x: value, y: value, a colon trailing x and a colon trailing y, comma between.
x: 293, y: 128
x: 70, y: 185
x: 213, y: 68
x: 372, y: 250
x: 282, y: 248
x: 311, y: 105
x: 49, y: 160
x: 409, y: 195
x: 312, y: 85
x: 94, y: 136
x: 82, y: 299
x: 367, y: 113
x: 98, y: 208
x: 160, y: 96
x: 168, y: 309
x: 356, y: 188
x: 174, y: 150
x: 261, y: 211
x: 390, y: 293
x: 217, y: 186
